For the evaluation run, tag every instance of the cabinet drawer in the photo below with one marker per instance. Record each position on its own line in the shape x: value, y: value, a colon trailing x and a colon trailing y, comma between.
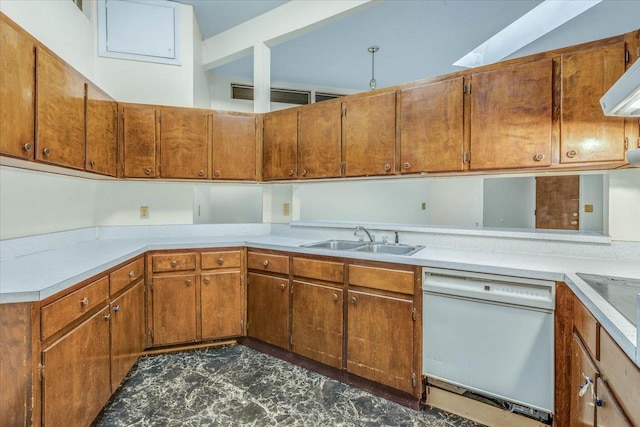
x: 321, y: 270
x: 586, y: 326
x: 128, y: 274
x: 622, y: 376
x: 60, y: 313
x: 226, y: 259
x: 382, y: 278
x: 173, y: 262
x: 268, y: 262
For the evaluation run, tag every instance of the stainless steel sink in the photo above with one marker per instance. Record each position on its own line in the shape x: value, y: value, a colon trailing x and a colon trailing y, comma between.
x: 391, y: 249
x: 335, y: 244
x: 370, y: 247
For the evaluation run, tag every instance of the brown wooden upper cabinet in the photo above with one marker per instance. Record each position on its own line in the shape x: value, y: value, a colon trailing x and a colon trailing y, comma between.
x: 234, y: 146
x: 369, y: 135
x: 102, y: 136
x: 586, y: 134
x: 432, y: 127
x: 139, y: 139
x: 320, y: 140
x: 280, y: 145
x: 511, y: 116
x: 17, y: 91
x: 184, y: 143
x: 60, y: 114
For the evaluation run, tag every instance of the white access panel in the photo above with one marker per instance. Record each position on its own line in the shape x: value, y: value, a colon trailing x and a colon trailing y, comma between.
x: 141, y: 30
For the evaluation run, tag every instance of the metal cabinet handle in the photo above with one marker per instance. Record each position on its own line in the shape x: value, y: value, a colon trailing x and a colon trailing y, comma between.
x: 107, y: 317
x: 353, y: 300
x: 220, y: 261
x: 187, y: 282
x: 334, y: 297
x: 131, y: 274
x: 116, y: 308
x: 282, y: 286
x: 206, y: 280
x: 217, y: 173
x: 201, y: 173
x: 538, y: 157
x: 84, y: 301
x: 46, y: 151
x: 174, y: 263
x: 266, y: 262
x: 92, y: 163
x: 26, y: 147
x: 407, y: 165
x: 387, y: 167
x: 304, y: 172
x: 571, y: 154
x: 147, y: 171
x: 290, y: 172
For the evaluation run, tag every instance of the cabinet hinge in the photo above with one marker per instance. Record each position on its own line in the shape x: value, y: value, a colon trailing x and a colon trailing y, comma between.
x: 41, y: 369
x: 413, y: 379
x: 151, y: 333
x: 247, y: 326
x: 344, y: 112
x: 151, y: 287
x: 414, y: 314
x: 466, y: 88
x: 159, y: 168
x: 466, y: 157
x: 343, y: 167
x: 626, y: 143
x: 241, y: 324
x: 160, y: 118
x: 122, y: 116
x: 626, y: 56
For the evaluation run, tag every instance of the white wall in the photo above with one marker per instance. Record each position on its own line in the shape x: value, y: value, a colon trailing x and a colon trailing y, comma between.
x: 201, y: 98
x: 35, y: 203
x: 592, y: 193
x: 273, y: 197
x: 455, y: 202
x: 509, y: 202
x: 624, y: 205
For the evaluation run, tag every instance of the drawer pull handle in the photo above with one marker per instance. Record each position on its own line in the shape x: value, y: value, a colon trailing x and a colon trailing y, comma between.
x: 174, y: 263
x: 220, y: 261
x: 353, y: 300
x: 206, y: 280
x: 132, y: 274
x: 334, y: 297
x: 266, y: 262
x: 187, y: 282
x: 107, y: 317
x: 538, y: 157
x: 116, y: 308
x: 282, y: 286
x: 84, y: 302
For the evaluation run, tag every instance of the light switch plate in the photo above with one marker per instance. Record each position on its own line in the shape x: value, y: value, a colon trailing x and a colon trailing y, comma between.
x: 144, y: 212
x: 588, y: 208
x: 286, y: 209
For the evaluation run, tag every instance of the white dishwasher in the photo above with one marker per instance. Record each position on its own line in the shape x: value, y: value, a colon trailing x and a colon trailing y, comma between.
x: 491, y: 335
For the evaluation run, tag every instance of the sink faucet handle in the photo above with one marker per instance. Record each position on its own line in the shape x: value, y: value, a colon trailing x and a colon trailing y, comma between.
x: 397, y: 240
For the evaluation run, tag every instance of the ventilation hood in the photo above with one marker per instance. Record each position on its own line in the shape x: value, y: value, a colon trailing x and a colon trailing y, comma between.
x: 623, y: 99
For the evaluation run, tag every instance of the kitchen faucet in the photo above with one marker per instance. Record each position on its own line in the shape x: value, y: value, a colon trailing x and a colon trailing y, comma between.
x: 357, y: 233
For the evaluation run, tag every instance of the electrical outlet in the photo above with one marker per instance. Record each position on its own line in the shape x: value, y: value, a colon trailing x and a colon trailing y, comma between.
x: 424, y: 206
x: 144, y: 212
x: 286, y: 209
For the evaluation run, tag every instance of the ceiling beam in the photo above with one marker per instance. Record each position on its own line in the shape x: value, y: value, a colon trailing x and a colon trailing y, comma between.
x: 274, y: 27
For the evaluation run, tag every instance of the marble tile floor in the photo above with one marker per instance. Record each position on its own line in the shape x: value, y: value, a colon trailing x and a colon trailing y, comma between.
x: 239, y: 386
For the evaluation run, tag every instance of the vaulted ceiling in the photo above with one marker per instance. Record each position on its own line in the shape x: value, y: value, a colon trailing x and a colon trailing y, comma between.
x: 417, y: 38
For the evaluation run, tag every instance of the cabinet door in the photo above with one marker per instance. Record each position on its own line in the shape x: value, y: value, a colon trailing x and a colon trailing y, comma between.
x: 383, y: 353
x: 127, y: 332
x: 320, y: 145
x: 234, y: 147
x: 280, y: 145
x: 76, y: 374
x: 139, y: 141
x: 184, y: 144
x: 221, y: 298
x: 608, y: 411
x: 17, y: 85
x: 432, y: 127
x: 511, y: 115
x: 583, y: 375
x: 369, y: 135
x: 60, y: 113
x: 268, y: 309
x: 586, y: 134
x: 316, y: 322
x: 102, y: 119
x: 174, y: 309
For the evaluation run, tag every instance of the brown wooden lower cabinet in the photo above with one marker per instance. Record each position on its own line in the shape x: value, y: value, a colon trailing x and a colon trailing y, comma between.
x: 317, y: 322
x: 608, y: 411
x: 221, y: 304
x: 174, y: 309
x: 583, y: 376
x: 268, y: 309
x: 380, y: 339
x: 127, y: 332
x: 76, y: 376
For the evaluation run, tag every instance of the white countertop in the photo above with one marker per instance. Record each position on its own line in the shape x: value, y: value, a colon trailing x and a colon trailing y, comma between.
x: 39, y: 275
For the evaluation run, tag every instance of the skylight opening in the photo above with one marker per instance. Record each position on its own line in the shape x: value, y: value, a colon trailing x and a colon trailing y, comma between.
x: 544, y: 18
